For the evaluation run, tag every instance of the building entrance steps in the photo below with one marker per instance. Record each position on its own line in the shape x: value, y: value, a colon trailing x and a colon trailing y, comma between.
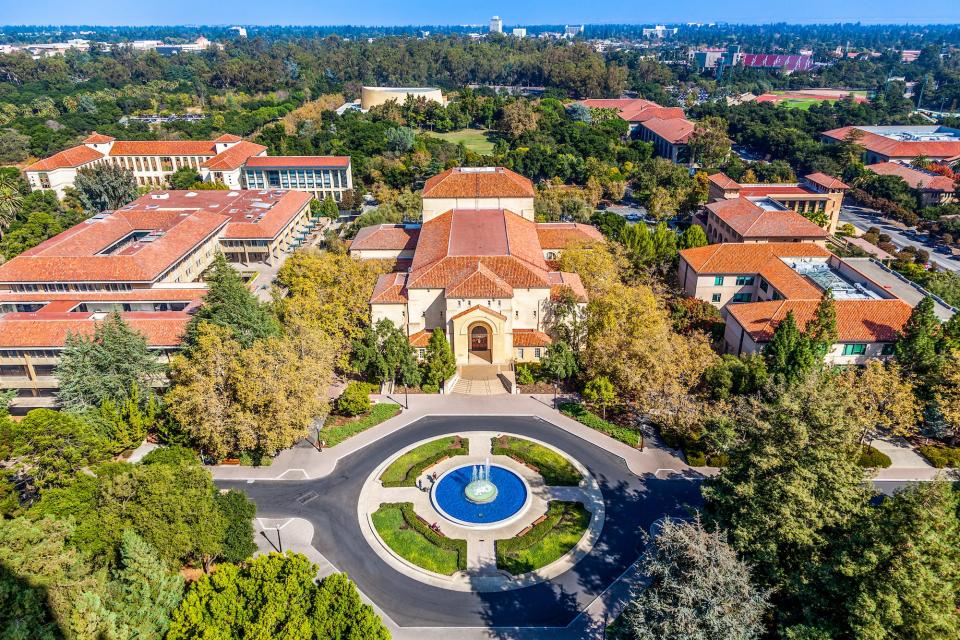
x: 480, y: 380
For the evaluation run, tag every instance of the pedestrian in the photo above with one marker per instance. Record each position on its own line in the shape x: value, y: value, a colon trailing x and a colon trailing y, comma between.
x: 418, y: 485
x: 323, y: 443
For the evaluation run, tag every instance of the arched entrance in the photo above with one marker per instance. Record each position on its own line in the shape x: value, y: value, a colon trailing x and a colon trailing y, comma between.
x: 480, y: 342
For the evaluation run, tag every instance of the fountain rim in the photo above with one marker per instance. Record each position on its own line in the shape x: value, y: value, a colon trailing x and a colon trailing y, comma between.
x: 528, y: 500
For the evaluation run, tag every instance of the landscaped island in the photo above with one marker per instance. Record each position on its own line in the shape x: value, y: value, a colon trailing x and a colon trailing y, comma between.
x: 555, y: 534
x: 403, y: 471
x: 410, y: 537
x: 555, y: 469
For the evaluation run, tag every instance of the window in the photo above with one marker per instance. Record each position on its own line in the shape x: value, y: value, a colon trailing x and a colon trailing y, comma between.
x: 520, y: 354
x: 715, y: 297
x: 854, y: 349
x: 763, y: 285
x: 741, y: 297
x: 744, y: 280
x: 421, y: 353
x: 718, y: 281
x: 887, y: 350
x: 536, y: 353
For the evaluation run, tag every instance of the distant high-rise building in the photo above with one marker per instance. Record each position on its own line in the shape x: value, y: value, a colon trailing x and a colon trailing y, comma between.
x: 572, y: 31
x: 519, y: 32
x: 240, y: 31
x: 496, y: 25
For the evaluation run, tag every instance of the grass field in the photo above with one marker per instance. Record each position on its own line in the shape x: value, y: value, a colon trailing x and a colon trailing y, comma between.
x: 475, y: 140
x: 794, y: 103
x: 339, y: 428
x: 546, y: 542
x: 555, y: 469
x: 417, y: 543
x: 403, y: 471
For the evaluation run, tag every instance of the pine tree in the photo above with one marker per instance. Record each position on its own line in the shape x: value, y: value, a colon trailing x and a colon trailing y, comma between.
x: 440, y: 363
x: 230, y: 304
x: 790, y: 356
x: 919, y: 345
x: 822, y: 329
x: 694, y: 236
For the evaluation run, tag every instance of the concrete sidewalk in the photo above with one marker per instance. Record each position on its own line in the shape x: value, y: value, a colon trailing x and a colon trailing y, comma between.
x: 304, y: 462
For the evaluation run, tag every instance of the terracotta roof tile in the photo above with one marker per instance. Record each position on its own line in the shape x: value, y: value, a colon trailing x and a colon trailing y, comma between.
x: 478, y: 182
x: 32, y: 330
x: 557, y: 235
x: 386, y: 237
x: 644, y: 114
x: 481, y: 307
x: 857, y: 320
x: 752, y: 221
x: 562, y: 280
x: 916, y: 178
x: 163, y: 148
x: 892, y: 148
x: 530, y: 338
x: 228, y: 137
x: 478, y: 281
x: 724, y: 181
x: 391, y: 288
x: 674, y: 130
x: 826, y: 181
x: 747, y: 258
x: 68, y: 158
x: 233, y: 157
x: 420, y: 339
x: 98, y: 138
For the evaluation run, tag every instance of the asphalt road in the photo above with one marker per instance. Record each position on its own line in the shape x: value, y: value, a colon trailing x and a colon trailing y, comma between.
x: 330, y: 504
x: 863, y: 218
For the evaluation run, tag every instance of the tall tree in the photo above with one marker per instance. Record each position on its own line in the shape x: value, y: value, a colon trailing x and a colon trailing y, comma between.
x: 888, y: 401
x: 105, y: 187
x: 183, y: 178
x: 10, y: 201
x: 600, y: 392
x: 946, y: 397
x: 229, y: 303
x: 694, y: 588
x: 790, y: 356
x: 709, y: 144
x: 106, y: 365
x: 560, y: 363
x: 919, y: 346
x: 822, y: 328
x: 692, y: 237
x: 439, y: 363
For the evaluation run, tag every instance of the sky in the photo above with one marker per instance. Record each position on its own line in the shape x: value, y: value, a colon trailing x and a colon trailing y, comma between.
x: 515, y: 12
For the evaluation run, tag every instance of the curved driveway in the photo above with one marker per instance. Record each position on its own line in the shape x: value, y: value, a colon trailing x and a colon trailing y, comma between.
x: 330, y: 504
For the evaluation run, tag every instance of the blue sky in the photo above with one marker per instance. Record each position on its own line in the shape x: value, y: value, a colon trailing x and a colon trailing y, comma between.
x: 396, y: 12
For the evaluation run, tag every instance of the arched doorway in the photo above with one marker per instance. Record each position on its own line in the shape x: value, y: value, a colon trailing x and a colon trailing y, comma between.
x: 480, y: 342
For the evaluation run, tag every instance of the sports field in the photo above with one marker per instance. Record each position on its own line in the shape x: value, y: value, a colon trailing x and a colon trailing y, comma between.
x: 475, y: 140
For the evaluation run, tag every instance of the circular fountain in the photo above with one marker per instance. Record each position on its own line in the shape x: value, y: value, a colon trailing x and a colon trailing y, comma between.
x: 480, y: 496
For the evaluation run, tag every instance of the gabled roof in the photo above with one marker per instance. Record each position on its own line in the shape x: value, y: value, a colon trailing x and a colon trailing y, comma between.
x: 478, y: 281
x: 644, y: 114
x: 298, y: 161
x: 228, y: 137
x: 557, y: 235
x: 826, y: 181
x: 752, y: 221
x: 914, y: 177
x: 391, y: 288
x: 68, y: 158
x: 98, y: 138
x: 562, y: 280
x: 674, y: 131
x: 530, y: 338
x: 386, y: 237
x: 724, y: 181
x: 747, y: 258
x: 857, y: 320
x: 893, y: 148
x: 163, y: 148
x: 233, y: 157
x: 479, y: 307
x: 419, y: 339
x: 478, y: 182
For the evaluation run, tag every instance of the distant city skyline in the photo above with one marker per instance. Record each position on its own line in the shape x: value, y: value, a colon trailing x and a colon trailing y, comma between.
x: 434, y: 12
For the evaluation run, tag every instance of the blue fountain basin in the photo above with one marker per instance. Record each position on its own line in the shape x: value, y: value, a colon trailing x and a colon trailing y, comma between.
x: 450, y: 499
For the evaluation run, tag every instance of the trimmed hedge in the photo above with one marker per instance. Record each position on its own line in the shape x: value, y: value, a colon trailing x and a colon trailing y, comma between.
x: 337, y: 433
x: 696, y: 458
x: 576, y: 411
x: 555, y: 469
x: 940, y: 455
x: 403, y: 471
x: 412, y: 520
x: 871, y: 458
x: 565, y: 521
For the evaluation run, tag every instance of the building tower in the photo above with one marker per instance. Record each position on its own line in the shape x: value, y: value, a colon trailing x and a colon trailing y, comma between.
x: 496, y: 25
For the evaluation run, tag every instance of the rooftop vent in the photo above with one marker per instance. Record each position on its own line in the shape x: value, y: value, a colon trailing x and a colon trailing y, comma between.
x: 191, y: 194
x: 160, y: 196
x: 478, y: 169
x: 153, y: 206
x: 233, y: 194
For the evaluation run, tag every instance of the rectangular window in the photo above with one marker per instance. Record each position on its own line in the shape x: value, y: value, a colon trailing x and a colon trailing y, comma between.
x: 854, y: 349
x: 520, y: 354
x: 744, y: 280
x: 715, y: 297
x: 536, y: 353
x: 763, y: 285
x: 887, y: 349
x: 718, y: 281
x: 741, y: 297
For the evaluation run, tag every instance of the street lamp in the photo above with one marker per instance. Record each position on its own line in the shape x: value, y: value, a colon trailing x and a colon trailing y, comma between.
x: 279, y: 546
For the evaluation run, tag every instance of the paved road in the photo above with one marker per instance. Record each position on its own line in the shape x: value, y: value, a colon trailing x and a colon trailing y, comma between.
x: 330, y: 504
x: 863, y: 218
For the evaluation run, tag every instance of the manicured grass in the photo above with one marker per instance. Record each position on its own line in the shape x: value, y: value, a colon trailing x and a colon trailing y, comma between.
x: 338, y: 428
x: 555, y: 469
x: 475, y: 140
x: 547, y: 541
x: 403, y: 471
x: 940, y: 455
x: 577, y: 411
x: 412, y: 539
x: 797, y: 103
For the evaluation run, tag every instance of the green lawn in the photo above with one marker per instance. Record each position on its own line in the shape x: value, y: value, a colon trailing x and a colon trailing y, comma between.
x: 475, y: 140
x: 803, y: 104
x: 555, y: 469
x: 561, y: 531
x: 338, y: 428
x: 577, y: 411
x: 403, y: 471
x: 411, y: 539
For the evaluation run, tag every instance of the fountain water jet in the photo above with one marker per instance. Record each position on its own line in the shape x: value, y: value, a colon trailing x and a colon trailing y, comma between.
x: 481, y: 489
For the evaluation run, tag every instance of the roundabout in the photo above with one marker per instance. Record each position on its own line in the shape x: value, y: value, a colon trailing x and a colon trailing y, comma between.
x: 330, y: 504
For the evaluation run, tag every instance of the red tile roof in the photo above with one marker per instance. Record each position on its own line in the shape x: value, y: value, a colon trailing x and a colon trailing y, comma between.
x: 747, y: 258
x: 674, y: 131
x: 774, y: 190
x: 478, y: 182
x: 752, y: 221
x: 557, y: 235
x: 478, y: 281
x: 34, y: 330
x: 419, y: 339
x: 530, y: 338
x: 617, y: 103
x: 68, y: 158
x: 481, y: 308
x: 234, y: 157
x: 163, y: 148
x: 914, y: 177
x: 562, y: 280
x: 857, y: 320
x: 299, y: 161
x: 826, y: 181
x: 98, y: 138
x: 724, y: 181
x: 228, y: 137
x: 892, y: 148
x: 391, y: 288
x: 386, y: 237
x: 644, y: 114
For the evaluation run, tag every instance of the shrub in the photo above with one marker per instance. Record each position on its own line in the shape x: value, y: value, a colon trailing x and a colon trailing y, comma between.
x: 354, y: 400
x: 941, y: 456
x: 524, y: 374
x: 171, y: 455
x: 871, y: 458
x: 576, y: 411
x: 421, y: 527
x: 429, y: 388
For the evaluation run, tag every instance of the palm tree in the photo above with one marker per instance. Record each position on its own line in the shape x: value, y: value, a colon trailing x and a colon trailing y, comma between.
x: 10, y: 201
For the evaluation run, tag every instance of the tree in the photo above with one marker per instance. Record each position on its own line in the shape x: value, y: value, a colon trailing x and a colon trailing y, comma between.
x: 105, y: 366
x: 329, y: 208
x: 559, y: 363
x: 401, y: 139
x: 48, y: 448
x: 274, y: 596
x: 10, y: 200
x: 238, y: 512
x: 183, y: 178
x: 579, y: 112
x: 692, y: 237
x: 439, y: 363
x: 600, y: 392
x: 919, y: 345
x: 14, y: 146
x: 105, y: 187
x: 709, y: 145
x: 355, y: 399
x: 821, y: 330
x: 790, y: 356
x: 888, y: 403
x: 131, y: 419
x: 384, y: 354
x: 695, y: 588
x: 229, y: 303
x: 946, y: 395
x: 518, y: 118
x: 596, y: 264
